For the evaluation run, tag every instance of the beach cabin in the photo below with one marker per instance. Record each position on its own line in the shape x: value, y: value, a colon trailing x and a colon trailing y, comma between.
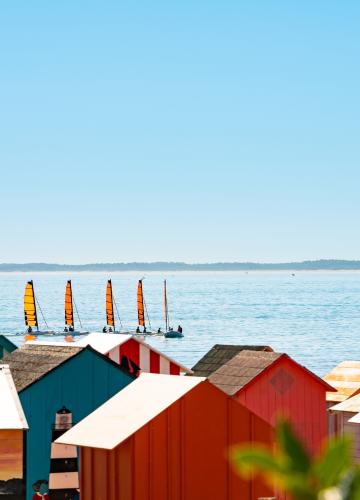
x: 345, y: 378
x: 130, y: 352
x: 347, y: 418
x: 48, y: 378
x: 220, y: 354
x: 166, y: 438
x: 12, y: 427
x: 6, y: 346
x: 271, y: 385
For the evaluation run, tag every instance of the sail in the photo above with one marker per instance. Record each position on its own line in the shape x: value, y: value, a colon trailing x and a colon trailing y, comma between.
x: 69, y: 311
x: 30, y: 305
x: 110, y: 319
x: 140, y: 304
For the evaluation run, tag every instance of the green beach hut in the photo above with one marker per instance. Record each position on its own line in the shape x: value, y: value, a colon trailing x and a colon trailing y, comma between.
x: 51, y: 377
x: 6, y: 346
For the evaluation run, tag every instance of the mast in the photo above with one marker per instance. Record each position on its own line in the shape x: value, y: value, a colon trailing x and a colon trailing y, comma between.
x: 166, y: 314
x: 110, y: 317
x: 35, y: 311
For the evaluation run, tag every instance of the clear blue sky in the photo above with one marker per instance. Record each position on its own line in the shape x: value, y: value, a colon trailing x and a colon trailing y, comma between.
x: 195, y: 131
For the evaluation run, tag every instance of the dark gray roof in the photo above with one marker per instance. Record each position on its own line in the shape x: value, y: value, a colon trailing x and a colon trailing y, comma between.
x: 31, y: 362
x: 220, y: 354
x: 241, y: 369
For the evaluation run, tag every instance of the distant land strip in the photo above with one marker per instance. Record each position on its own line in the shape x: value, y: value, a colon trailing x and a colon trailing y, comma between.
x: 307, y: 265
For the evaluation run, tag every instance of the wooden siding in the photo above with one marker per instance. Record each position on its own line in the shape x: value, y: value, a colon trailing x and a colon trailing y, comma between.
x: 285, y: 390
x: 351, y: 429
x: 82, y: 384
x: 179, y: 455
x: 11, y: 454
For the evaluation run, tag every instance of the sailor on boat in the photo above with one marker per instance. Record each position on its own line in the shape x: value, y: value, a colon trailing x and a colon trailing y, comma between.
x: 104, y: 329
x: 169, y: 331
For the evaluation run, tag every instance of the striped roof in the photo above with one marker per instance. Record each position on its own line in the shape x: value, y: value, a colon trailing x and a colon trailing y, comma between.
x: 106, y: 342
x: 11, y: 415
x: 129, y: 410
x: 345, y: 378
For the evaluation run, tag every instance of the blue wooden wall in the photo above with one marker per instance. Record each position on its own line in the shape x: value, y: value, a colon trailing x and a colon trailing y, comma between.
x: 6, y: 346
x: 81, y: 384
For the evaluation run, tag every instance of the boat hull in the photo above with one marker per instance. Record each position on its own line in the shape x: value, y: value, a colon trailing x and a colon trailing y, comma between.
x: 173, y: 335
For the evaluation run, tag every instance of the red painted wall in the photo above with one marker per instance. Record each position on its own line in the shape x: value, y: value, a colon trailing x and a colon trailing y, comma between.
x: 179, y: 455
x: 131, y: 349
x: 285, y: 389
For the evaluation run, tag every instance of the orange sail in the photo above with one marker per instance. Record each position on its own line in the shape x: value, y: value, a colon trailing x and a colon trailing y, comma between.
x: 69, y: 311
x: 30, y: 305
x: 110, y: 319
x: 140, y: 304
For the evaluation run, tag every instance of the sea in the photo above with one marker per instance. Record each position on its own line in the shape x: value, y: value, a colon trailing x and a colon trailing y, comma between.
x: 312, y: 316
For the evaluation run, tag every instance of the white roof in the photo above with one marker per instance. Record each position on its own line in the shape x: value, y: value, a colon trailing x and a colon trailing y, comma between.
x: 355, y: 419
x: 11, y: 414
x: 351, y: 405
x: 129, y: 410
x: 105, y: 342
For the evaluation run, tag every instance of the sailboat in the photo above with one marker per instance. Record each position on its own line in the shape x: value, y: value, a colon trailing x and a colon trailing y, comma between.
x: 169, y: 332
x: 30, y: 312
x: 110, y: 316
x: 69, y: 312
x: 141, y: 307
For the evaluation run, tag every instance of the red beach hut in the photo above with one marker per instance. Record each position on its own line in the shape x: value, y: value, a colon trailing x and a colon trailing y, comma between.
x: 272, y: 385
x: 167, y: 438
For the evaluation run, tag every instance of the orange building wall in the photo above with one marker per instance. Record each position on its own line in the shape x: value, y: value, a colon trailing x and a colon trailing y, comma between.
x: 303, y: 403
x: 11, y: 454
x: 180, y: 455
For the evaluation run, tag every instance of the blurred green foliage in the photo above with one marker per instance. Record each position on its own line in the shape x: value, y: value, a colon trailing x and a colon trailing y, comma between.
x: 330, y: 476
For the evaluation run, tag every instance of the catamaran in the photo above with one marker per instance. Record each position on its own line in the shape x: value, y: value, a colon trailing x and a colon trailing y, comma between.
x: 69, y: 312
x: 110, y: 316
x: 30, y: 313
x: 141, y: 307
x: 169, y: 332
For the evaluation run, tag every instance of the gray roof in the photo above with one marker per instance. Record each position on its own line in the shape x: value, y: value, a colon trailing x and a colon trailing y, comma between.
x: 241, y: 369
x: 220, y: 354
x: 31, y: 362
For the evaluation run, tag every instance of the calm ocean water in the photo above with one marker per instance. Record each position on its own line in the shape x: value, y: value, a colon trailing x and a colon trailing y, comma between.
x: 314, y: 317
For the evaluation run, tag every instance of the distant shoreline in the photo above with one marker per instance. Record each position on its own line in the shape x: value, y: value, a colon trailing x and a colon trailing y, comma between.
x: 316, y: 265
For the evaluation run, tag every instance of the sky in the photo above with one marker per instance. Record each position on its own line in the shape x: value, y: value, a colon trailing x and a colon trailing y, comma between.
x: 180, y: 131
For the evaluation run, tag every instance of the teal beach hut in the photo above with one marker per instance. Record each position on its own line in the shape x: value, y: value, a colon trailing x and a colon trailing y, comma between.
x: 6, y: 346
x: 50, y: 377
